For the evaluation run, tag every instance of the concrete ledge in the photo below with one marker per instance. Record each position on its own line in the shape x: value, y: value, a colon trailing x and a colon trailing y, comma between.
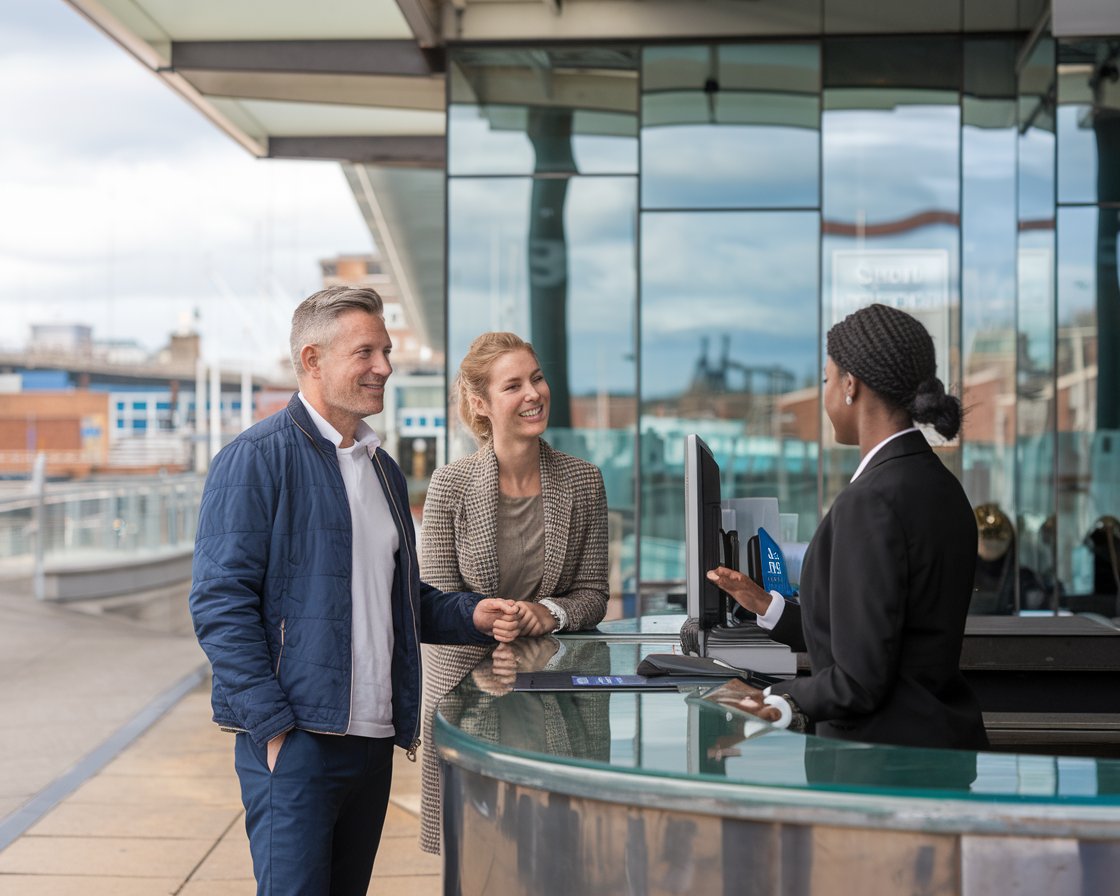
x: 116, y: 574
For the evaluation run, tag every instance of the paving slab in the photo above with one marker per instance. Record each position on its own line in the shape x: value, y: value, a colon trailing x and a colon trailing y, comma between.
x: 83, y: 885
x: 160, y: 812
x: 73, y: 678
x: 147, y: 857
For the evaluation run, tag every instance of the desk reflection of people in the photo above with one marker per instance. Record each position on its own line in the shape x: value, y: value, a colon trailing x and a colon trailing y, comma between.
x: 888, y: 576
x: 827, y: 761
x: 556, y: 723
x: 575, y: 725
x: 515, y: 518
x: 998, y: 569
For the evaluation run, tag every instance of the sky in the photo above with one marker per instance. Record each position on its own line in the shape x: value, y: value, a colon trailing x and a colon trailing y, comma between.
x: 126, y: 210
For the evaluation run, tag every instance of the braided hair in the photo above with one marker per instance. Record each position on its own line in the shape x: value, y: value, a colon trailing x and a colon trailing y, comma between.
x: 892, y: 354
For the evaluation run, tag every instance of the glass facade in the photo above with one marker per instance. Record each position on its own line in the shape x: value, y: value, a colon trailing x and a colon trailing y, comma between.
x: 676, y: 226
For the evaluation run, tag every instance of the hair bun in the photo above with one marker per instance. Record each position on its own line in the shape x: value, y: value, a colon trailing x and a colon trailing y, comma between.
x: 932, y: 404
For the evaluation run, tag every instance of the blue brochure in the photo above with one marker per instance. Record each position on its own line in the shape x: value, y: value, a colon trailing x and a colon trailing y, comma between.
x: 773, y: 566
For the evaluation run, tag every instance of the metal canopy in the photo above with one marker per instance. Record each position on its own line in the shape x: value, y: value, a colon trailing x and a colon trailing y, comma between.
x: 363, y: 81
x: 344, y: 80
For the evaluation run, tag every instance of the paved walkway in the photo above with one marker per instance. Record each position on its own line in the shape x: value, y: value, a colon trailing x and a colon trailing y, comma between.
x: 113, y: 779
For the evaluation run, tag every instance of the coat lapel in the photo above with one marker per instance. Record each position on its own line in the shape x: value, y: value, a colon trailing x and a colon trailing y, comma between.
x: 556, y: 501
x: 478, y: 516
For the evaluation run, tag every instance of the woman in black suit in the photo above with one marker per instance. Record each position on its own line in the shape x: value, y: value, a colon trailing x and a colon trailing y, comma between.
x: 887, y: 578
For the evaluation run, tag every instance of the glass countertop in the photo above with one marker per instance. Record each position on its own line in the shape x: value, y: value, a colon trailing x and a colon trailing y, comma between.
x: 643, y: 740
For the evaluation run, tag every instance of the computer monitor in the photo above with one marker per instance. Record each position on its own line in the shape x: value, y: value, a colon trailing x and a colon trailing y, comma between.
x: 702, y: 536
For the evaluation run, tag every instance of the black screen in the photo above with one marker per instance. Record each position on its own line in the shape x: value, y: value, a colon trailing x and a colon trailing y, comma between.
x: 703, y: 519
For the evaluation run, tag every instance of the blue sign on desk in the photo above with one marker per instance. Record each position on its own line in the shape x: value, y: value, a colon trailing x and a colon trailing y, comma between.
x: 606, y: 681
x: 774, y: 577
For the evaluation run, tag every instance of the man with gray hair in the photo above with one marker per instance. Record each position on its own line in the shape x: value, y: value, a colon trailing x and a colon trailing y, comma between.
x: 308, y: 602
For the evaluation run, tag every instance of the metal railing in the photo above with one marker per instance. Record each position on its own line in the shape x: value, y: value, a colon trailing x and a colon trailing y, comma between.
x: 119, y: 521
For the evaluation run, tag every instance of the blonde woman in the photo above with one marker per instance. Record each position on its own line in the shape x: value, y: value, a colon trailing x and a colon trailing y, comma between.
x: 515, y: 518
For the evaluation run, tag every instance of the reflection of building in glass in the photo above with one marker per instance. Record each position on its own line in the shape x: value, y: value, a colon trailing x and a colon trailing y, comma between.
x: 619, y: 188
x: 725, y: 388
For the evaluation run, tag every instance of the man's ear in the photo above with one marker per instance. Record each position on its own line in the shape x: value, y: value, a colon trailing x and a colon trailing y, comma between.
x: 309, y: 358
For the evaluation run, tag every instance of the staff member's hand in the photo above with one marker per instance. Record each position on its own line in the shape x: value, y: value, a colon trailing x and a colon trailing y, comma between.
x: 743, y: 696
x: 745, y: 590
x: 498, y: 617
x: 752, y: 703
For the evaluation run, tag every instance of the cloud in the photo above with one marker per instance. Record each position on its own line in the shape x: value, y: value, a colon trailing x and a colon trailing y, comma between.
x: 126, y: 209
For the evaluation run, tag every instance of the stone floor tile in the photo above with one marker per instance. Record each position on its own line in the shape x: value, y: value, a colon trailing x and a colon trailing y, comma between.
x: 183, y: 761
x: 154, y: 857
x: 180, y: 791
x: 82, y: 819
x: 401, y: 857
x: 413, y: 885
x: 408, y: 802
x: 85, y: 885
x: 229, y: 859
x: 221, y: 888
x: 400, y: 823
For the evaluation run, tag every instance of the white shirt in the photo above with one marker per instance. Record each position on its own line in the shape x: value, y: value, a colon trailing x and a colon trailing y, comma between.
x: 769, y: 619
x: 374, y: 543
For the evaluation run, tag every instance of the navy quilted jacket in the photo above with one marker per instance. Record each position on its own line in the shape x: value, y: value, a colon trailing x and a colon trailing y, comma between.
x: 271, y: 594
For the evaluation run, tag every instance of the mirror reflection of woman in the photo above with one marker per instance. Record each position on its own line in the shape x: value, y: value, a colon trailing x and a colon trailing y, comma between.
x: 887, y: 579
x: 516, y: 518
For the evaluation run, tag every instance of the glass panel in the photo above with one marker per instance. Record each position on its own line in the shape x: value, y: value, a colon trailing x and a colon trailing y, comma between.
x: 988, y: 239
x: 1035, y: 415
x: 1088, y: 315
x: 569, y: 286
x: 1088, y: 122
x: 1084, y: 452
x: 707, y: 109
x: 891, y: 164
x: 740, y: 367
x: 569, y: 110
x: 648, y: 744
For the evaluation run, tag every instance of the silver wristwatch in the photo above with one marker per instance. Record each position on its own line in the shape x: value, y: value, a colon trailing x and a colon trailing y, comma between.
x: 556, y: 614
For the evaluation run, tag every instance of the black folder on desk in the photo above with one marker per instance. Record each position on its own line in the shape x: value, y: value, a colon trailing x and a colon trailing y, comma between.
x: 709, y: 669
x: 594, y: 681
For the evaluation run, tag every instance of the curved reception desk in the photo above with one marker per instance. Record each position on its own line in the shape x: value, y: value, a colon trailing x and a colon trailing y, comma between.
x: 666, y: 792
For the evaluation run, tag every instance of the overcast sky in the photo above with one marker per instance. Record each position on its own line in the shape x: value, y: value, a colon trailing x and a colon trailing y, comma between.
x: 125, y: 209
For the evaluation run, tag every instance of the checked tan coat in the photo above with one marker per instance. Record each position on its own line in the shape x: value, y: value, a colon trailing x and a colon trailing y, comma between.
x: 458, y: 552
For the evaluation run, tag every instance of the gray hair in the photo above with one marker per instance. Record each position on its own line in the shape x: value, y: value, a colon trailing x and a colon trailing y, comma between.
x: 313, y: 322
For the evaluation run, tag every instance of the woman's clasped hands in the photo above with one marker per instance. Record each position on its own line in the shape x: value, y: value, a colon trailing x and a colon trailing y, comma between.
x: 513, y: 619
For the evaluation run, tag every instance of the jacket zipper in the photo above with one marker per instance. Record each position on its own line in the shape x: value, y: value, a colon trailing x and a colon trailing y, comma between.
x: 280, y: 655
x: 334, y: 466
x: 415, y: 744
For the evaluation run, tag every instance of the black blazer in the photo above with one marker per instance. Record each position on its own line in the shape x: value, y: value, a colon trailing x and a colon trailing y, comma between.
x: 885, y: 588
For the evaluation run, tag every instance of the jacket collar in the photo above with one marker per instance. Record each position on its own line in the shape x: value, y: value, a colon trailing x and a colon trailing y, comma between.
x: 299, y: 416
x: 904, y: 445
